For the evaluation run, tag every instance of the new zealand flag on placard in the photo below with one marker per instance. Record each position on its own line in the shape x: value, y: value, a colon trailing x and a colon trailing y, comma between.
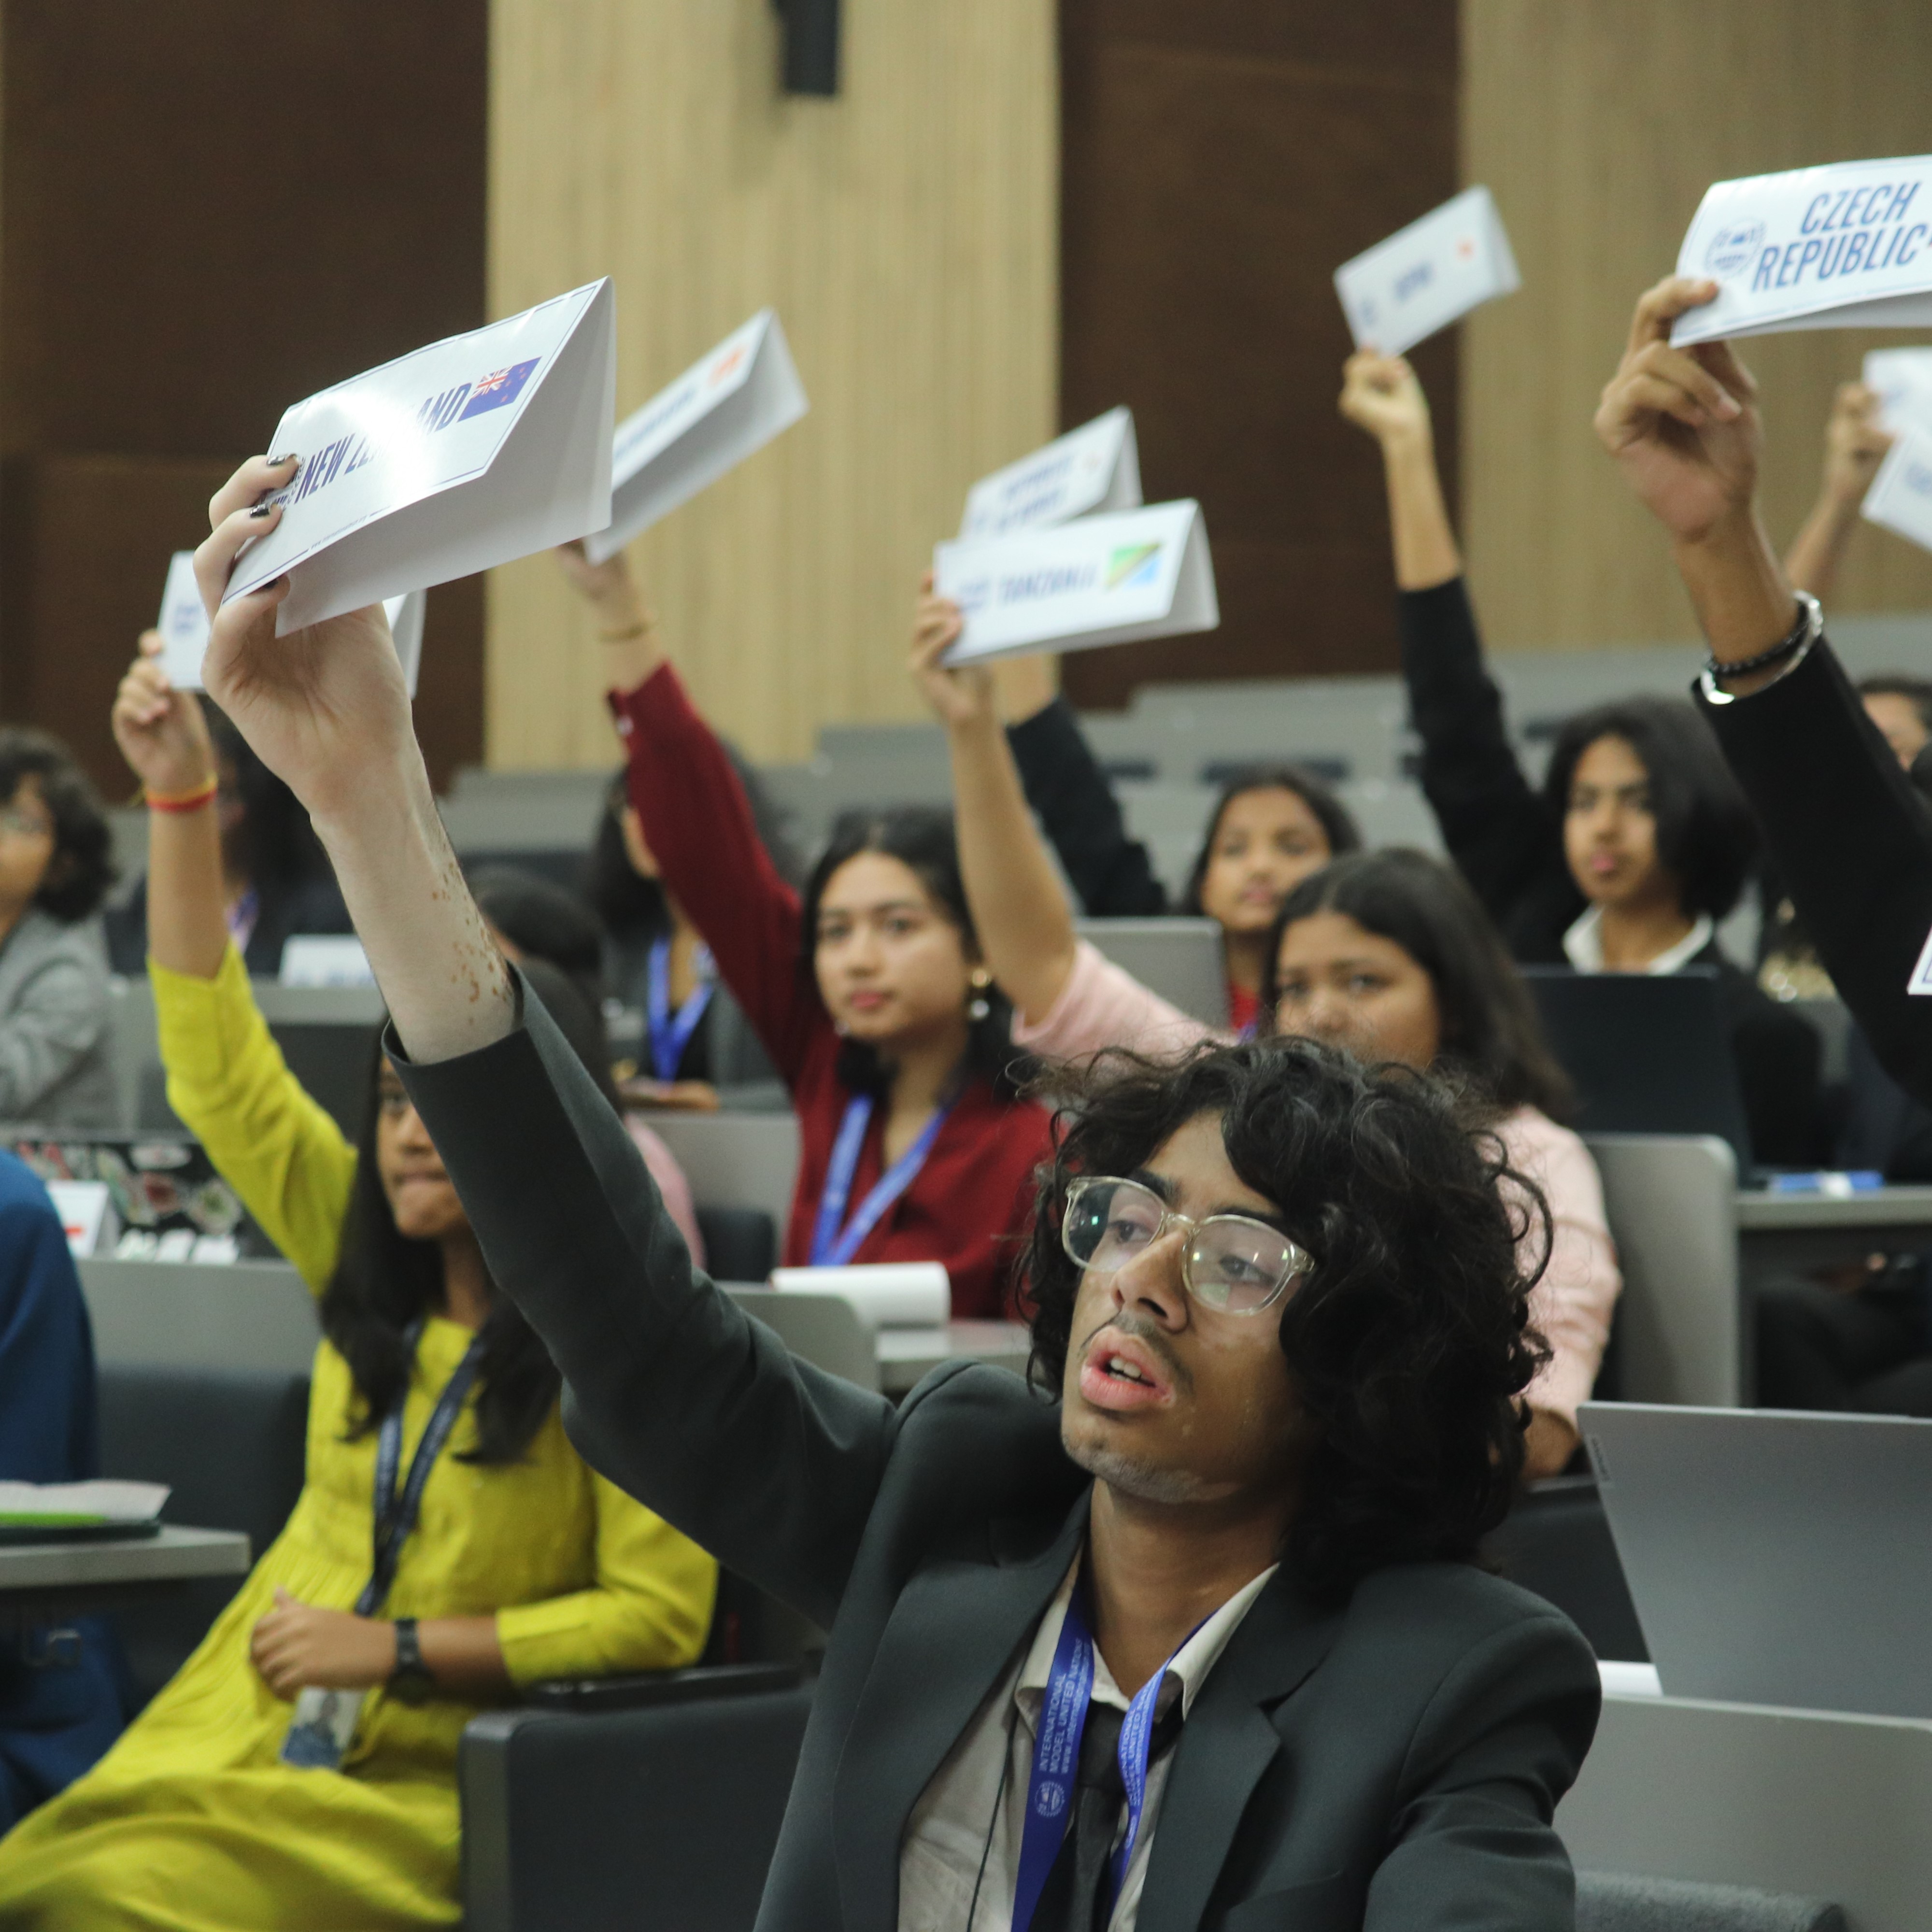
x: 492, y: 391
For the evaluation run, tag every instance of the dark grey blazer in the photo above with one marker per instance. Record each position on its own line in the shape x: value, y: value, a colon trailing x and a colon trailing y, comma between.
x: 1394, y: 1764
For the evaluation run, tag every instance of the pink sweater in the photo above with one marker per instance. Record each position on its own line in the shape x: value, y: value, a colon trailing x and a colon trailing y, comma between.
x: 1102, y: 1005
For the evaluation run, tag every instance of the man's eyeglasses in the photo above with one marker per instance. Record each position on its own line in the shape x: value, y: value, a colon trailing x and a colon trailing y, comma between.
x: 18, y: 821
x: 1232, y: 1263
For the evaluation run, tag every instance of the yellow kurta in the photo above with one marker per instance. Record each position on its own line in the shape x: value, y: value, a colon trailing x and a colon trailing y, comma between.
x: 190, y: 1822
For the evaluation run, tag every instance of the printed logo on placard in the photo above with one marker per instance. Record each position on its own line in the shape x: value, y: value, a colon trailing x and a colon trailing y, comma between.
x: 1050, y: 1800
x: 1917, y: 478
x: 501, y: 386
x: 725, y: 364
x: 1132, y: 565
x: 1732, y: 248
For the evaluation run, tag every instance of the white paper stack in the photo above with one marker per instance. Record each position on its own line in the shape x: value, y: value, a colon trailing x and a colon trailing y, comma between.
x: 890, y: 1295
x: 1428, y: 275
x: 1095, y: 467
x: 1841, y: 247
x: 726, y: 405
x: 80, y: 1505
x: 1902, y: 378
x: 183, y: 624
x: 1096, y: 581
x: 465, y: 454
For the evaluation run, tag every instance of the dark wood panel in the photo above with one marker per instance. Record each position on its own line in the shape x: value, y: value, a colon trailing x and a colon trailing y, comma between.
x: 213, y: 208
x: 1207, y: 199
x: 208, y: 210
x: 1396, y: 38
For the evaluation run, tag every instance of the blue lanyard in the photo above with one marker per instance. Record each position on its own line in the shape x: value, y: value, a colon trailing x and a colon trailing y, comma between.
x: 395, y: 1517
x: 829, y: 1247
x: 670, y: 1032
x: 1056, y: 1757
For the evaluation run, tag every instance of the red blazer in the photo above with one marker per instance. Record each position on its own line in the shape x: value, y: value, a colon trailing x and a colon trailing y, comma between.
x: 970, y: 1204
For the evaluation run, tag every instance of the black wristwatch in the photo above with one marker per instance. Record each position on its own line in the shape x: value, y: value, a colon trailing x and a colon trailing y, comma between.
x: 411, y: 1680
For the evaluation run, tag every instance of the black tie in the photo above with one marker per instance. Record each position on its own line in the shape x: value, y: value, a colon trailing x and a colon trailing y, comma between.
x: 1076, y: 1898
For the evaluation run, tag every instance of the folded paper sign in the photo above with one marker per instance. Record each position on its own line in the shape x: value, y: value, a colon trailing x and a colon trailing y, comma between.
x: 1096, y: 581
x: 1903, y: 380
x: 1095, y: 467
x: 883, y: 1294
x: 469, y: 453
x: 80, y: 1505
x: 1831, y: 247
x: 183, y: 624
x: 1428, y: 275
x: 728, y: 403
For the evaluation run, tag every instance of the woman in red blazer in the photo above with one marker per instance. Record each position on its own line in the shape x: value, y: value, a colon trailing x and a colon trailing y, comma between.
x: 867, y: 992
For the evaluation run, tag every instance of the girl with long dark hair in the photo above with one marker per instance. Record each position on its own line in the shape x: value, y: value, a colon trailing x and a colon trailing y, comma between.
x: 1388, y: 952
x: 868, y: 991
x: 306, y: 1752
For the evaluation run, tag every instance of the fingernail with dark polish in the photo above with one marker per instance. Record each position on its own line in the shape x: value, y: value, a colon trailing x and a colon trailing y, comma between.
x: 264, y: 510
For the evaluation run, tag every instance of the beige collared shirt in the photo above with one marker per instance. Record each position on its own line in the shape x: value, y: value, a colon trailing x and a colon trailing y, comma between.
x: 1583, y: 945
x: 963, y: 1838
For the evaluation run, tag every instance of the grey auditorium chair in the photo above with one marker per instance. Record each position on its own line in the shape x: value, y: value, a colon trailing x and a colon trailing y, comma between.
x: 1616, y: 1902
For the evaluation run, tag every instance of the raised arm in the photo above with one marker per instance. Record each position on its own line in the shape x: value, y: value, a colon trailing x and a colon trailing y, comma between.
x: 1025, y: 925
x: 1852, y: 840
x: 1494, y: 826
x: 677, y: 1396
x: 1855, y: 445
x: 1065, y: 785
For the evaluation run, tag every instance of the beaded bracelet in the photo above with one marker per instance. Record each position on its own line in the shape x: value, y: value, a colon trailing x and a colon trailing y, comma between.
x: 182, y: 801
x: 1810, y: 622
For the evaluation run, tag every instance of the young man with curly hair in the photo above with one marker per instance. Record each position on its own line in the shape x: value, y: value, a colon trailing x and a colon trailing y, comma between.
x: 1280, y: 1344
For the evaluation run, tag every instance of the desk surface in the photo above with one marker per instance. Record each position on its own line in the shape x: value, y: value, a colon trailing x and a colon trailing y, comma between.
x: 1760, y: 1213
x: 906, y: 1354
x: 173, y: 1556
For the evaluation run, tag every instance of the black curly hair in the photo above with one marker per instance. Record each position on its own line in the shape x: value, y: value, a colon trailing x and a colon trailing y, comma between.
x: 81, y: 867
x: 1409, y: 1342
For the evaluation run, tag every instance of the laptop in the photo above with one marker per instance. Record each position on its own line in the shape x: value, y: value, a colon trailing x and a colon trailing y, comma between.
x: 1181, y: 959
x: 1647, y: 1055
x: 1774, y: 1557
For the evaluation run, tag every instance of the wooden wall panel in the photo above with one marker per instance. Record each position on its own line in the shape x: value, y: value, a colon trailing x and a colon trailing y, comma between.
x: 905, y: 231
x: 208, y: 210
x: 1598, y: 127
x: 1220, y: 161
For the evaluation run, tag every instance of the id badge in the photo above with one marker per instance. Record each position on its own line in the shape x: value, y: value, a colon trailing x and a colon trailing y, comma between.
x: 322, y: 1728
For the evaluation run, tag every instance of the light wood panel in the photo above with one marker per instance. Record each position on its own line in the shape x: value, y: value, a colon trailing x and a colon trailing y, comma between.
x: 1599, y: 126
x: 906, y: 232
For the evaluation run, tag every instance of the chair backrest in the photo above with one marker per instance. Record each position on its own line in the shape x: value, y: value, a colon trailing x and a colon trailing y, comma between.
x: 667, y: 1813
x: 1672, y: 1201
x: 1556, y: 1540
x: 230, y: 1444
x: 243, y: 1318
x: 740, y: 1243
x: 1620, y: 1902
x: 136, y: 1053
x: 1181, y: 959
x: 327, y: 1034
x: 735, y: 1160
x: 821, y: 1329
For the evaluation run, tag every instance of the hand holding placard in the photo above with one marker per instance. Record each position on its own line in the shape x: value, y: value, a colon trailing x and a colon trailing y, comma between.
x: 159, y: 727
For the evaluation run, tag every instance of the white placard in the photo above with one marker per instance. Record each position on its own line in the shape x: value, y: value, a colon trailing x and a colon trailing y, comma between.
x: 1095, y: 467
x: 467, y: 454
x: 86, y: 1210
x: 1096, y: 581
x: 1902, y: 379
x: 1429, y: 275
x: 100, y: 1501
x: 183, y: 624
x: 1900, y: 496
x: 726, y: 405
x: 1842, y: 247
x: 324, y: 959
x: 883, y: 1294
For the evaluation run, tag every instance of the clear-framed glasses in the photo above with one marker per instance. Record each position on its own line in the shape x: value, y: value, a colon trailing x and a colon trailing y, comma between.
x: 1232, y: 1263
x: 22, y: 821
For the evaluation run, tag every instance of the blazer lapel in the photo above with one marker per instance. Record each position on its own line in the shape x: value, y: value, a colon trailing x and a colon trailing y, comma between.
x: 1229, y: 1741
x: 953, y: 1630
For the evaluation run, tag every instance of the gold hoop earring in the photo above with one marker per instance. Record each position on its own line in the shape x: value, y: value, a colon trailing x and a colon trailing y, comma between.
x: 979, y: 1007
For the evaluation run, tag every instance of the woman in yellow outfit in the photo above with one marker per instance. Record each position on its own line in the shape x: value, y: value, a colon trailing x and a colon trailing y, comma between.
x: 522, y: 1564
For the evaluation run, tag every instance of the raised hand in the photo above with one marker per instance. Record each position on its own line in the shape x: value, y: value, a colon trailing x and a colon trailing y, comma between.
x: 160, y: 730
x: 1855, y: 442
x: 1682, y: 423
x: 959, y: 697
x: 1380, y: 394
x: 326, y: 706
